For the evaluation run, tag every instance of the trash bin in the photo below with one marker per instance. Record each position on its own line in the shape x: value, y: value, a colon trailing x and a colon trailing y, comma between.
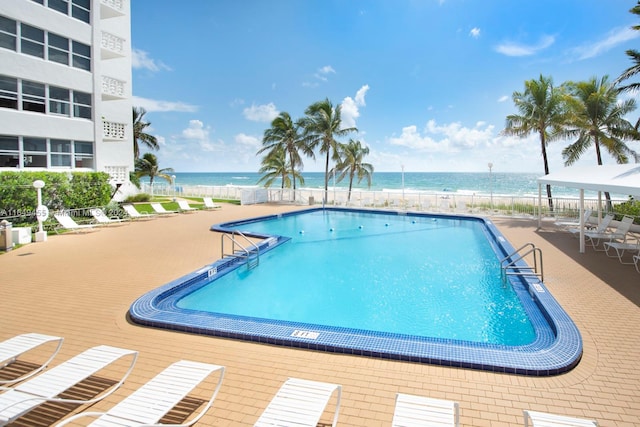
x: 6, y: 236
x: 312, y: 201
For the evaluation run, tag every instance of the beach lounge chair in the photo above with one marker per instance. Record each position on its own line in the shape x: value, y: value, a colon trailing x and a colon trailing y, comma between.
x: 602, y: 226
x: 618, y: 249
x: 24, y: 397
x: 424, y: 411
x: 14, y: 347
x: 152, y: 401
x: 300, y: 403
x: 573, y: 223
x: 541, y: 419
x: 102, y: 219
x: 136, y: 215
x: 619, y: 233
x: 208, y: 203
x: 67, y: 223
x: 636, y: 262
x: 159, y: 209
x: 184, y: 206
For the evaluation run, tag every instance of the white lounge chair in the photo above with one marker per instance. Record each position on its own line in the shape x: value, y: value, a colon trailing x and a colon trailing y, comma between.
x: 208, y: 203
x: 159, y: 209
x: 636, y: 262
x: 67, y: 223
x: 602, y: 226
x: 568, y: 223
x: 102, y: 218
x: 619, y: 233
x: 14, y: 347
x: 300, y: 403
x: 541, y: 419
x: 147, y: 405
x: 184, y: 206
x: 413, y: 410
x: 620, y: 248
x: 136, y: 215
x: 19, y: 400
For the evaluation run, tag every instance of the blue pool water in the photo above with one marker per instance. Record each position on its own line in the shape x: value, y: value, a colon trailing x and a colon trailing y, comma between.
x: 417, y: 287
x: 431, y: 277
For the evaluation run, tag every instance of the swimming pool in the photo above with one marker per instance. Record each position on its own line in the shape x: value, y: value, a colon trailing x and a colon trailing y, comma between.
x: 351, y: 270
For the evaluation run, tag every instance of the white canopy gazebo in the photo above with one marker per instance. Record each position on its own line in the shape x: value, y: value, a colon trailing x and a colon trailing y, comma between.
x: 617, y: 179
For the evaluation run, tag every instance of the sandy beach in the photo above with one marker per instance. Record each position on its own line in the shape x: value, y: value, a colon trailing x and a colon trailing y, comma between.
x: 80, y: 287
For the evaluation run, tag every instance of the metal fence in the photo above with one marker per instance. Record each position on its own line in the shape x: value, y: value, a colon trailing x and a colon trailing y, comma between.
x: 423, y: 201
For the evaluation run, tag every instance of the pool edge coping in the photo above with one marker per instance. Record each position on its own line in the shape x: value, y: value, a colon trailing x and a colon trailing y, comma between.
x: 562, y: 355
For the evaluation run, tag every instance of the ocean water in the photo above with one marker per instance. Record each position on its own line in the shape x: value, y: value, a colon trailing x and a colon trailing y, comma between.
x: 515, y: 184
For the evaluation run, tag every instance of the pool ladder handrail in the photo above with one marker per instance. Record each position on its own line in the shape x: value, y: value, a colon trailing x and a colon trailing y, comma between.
x: 251, y: 256
x: 509, y: 267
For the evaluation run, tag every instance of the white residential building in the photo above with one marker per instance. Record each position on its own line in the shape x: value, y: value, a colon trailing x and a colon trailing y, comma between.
x: 65, y: 86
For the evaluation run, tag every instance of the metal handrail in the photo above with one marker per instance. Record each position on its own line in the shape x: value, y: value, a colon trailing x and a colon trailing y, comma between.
x: 523, y: 270
x: 245, y: 253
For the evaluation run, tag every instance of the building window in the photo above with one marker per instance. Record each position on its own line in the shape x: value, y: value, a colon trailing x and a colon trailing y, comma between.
x: 33, y: 97
x: 60, y: 153
x: 32, y: 40
x: 81, y: 104
x: 59, y: 5
x: 9, y: 151
x: 35, y: 152
x: 8, y: 33
x: 8, y: 92
x: 81, y: 56
x: 83, y: 154
x: 59, y: 100
x: 81, y: 9
x: 58, y: 49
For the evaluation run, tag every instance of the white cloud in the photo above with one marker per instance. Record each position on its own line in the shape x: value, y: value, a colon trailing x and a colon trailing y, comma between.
x: 503, y: 98
x: 321, y: 74
x: 518, y: 49
x: 248, y: 141
x: 449, y: 138
x: 196, y: 131
x: 350, y: 108
x: 141, y: 59
x: 475, y: 32
x: 614, y: 38
x: 360, y: 94
x: 158, y: 105
x: 261, y: 113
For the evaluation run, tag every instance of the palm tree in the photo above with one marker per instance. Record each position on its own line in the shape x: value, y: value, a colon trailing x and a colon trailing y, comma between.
x: 634, y: 55
x: 322, y: 125
x: 285, y: 135
x: 274, y: 166
x: 541, y: 109
x: 148, y: 166
x: 351, y: 155
x: 139, y: 134
x: 598, y: 119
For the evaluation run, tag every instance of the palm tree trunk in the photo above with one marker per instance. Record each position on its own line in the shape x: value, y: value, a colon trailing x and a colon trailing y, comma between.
x: 326, y: 178
x: 546, y: 169
x: 293, y: 174
x: 607, y: 195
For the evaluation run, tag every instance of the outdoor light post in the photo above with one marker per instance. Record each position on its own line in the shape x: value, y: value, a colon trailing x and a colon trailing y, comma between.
x: 42, y: 212
x: 490, y: 183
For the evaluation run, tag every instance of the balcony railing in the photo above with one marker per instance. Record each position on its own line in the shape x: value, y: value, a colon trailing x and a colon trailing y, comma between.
x: 112, y: 46
x: 111, y: 8
x: 112, y: 88
x: 113, y: 131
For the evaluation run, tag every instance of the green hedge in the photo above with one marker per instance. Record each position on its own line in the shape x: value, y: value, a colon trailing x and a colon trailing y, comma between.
x: 62, y: 190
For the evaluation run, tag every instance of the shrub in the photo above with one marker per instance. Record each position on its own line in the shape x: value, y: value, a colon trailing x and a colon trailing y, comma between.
x: 62, y: 190
x: 140, y: 197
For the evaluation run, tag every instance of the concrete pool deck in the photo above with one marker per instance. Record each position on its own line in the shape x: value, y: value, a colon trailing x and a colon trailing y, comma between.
x: 80, y: 287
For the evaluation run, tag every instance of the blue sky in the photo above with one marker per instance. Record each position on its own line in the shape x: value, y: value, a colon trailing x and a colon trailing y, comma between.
x: 428, y: 83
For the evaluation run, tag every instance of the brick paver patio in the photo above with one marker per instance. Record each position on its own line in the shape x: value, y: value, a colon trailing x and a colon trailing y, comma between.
x: 80, y: 286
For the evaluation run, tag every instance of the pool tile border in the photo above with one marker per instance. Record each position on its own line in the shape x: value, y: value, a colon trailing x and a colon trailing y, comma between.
x: 557, y: 348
